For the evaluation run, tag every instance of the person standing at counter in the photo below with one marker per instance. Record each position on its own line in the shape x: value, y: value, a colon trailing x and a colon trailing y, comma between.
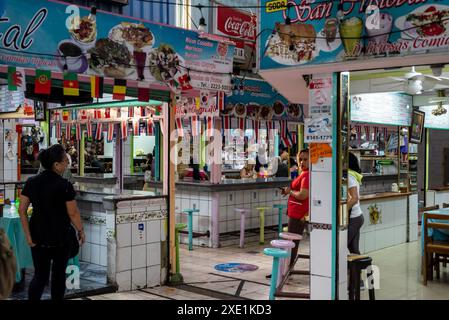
x: 193, y: 173
x: 355, y: 212
x: 47, y: 233
x: 298, y: 200
x: 247, y: 171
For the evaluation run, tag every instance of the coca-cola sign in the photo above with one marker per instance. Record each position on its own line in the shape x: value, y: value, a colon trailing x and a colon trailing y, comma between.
x: 235, y: 23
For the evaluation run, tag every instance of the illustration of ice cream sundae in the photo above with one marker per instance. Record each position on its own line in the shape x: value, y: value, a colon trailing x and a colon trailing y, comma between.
x: 380, y: 32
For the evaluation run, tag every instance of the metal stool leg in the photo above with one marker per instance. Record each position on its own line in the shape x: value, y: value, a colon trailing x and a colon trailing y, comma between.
x: 262, y: 227
x: 242, y: 230
x: 190, y: 231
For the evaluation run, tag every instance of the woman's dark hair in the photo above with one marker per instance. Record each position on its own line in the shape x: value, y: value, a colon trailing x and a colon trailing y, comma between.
x: 196, y: 170
x: 354, y: 163
x: 258, y: 165
x: 47, y: 157
x: 304, y: 150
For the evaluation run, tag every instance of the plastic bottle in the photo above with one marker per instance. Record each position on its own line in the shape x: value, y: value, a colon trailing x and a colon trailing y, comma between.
x: 12, y: 209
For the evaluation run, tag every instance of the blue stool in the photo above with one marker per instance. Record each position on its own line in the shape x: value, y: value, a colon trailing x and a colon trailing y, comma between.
x: 276, y: 254
x: 190, y: 213
x: 280, y: 207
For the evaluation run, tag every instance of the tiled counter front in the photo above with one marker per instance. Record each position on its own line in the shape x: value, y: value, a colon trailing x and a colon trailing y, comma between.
x: 228, y: 219
x: 137, y: 243
x: 437, y: 197
x: 391, y: 227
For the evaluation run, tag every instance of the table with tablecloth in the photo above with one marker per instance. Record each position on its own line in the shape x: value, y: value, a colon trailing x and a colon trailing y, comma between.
x: 437, y: 234
x: 14, y: 231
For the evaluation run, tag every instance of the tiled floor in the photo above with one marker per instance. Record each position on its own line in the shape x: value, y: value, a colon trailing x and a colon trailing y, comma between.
x: 399, y: 276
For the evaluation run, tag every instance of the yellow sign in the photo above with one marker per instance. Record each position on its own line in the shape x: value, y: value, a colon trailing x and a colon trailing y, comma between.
x: 375, y: 214
x: 319, y: 150
x: 277, y: 5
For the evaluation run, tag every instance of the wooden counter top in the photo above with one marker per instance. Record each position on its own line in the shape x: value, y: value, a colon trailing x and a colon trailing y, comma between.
x: 384, y: 195
x: 442, y: 188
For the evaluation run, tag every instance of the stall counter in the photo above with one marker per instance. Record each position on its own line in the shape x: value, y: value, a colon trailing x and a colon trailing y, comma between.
x: 437, y: 196
x: 125, y: 232
x: 390, y: 218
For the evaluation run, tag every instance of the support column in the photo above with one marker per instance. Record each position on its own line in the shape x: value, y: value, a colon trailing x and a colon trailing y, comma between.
x: 118, y: 159
x: 169, y: 181
x: 81, y: 148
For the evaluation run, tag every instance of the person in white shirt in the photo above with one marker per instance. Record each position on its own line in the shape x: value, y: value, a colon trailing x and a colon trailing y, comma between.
x: 355, y: 212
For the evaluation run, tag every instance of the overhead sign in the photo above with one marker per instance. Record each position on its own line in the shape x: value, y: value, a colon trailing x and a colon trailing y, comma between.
x: 321, y: 32
x: 260, y: 101
x: 46, y: 35
x: 382, y: 108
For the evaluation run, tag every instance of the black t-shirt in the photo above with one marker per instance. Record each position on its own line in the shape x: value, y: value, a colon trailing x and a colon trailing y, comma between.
x: 282, y: 170
x: 50, y: 222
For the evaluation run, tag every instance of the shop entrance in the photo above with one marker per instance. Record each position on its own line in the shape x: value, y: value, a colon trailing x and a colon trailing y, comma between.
x: 397, y: 128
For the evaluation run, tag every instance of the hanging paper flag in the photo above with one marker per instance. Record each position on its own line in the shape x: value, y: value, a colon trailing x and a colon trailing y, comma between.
x: 110, y: 136
x: 294, y: 138
x: 70, y: 84
x: 256, y: 129
x: 135, y: 127
x: 150, y: 130
x: 194, y: 126
x: 96, y: 86
x: 82, y: 115
x: 184, y: 81
x: 89, y: 129
x: 97, y: 114
x: 241, y: 124
x: 42, y: 82
x: 130, y: 112
x: 99, y: 131
x: 124, y: 129
x: 367, y: 130
x: 58, y: 130
x: 220, y: 100
x: 197, y: 103
x: 65, y: 115
x: 210, y: 126
x: 179, y: 127
x: 119, y: 89
x: 107, y: 113
x: 289, y: 140
x: 143, y: 111
x: 16, y: 79
x: 68, y: 129
x: 78, y: 131
x: 143, y: 92
x: 226, y: 124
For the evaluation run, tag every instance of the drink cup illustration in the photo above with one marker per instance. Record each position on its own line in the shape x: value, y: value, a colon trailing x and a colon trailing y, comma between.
x: 330, y: 29
x: 351, y: 32
x: 381, y: 31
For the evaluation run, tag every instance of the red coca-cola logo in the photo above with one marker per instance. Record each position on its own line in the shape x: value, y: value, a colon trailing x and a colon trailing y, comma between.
x: 236, y: 23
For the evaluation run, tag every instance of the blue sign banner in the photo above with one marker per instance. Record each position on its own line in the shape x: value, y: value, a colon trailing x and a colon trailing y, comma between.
x: 334, y: 31
x: 49, y: 34
x: 260, y: 101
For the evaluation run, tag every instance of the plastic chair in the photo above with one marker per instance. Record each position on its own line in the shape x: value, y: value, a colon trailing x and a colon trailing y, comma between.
x: 277, y: 254
x: 242, y: 212
x: 190, y: 213
x: 280, y: 207
x: 262, y: 223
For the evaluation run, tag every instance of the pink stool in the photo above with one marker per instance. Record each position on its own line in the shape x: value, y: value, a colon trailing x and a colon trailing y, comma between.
x: 291, y: 237
x: 242, y: 212
x: 286, y: 245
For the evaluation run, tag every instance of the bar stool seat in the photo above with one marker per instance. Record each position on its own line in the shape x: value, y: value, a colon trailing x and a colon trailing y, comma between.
x: 355, y: 265
x: 280, y: 207
x: 285, y: 262
x: 190, y: 224
x: 290, y: 236
x: 262, y: 223
x: 242, y: 212
x: 277, y: 254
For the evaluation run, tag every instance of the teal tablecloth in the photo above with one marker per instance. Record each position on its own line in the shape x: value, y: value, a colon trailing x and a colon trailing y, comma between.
x: 438, y: 234
x: 14, y: 231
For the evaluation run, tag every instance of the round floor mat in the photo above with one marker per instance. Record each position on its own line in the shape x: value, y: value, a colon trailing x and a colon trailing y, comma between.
x: 236, y: 267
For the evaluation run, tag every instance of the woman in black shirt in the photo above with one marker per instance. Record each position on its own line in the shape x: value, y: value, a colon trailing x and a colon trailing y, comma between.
x: 54, y: 208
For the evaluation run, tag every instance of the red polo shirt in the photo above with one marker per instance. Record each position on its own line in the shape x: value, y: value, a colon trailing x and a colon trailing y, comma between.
x: 298, y: 209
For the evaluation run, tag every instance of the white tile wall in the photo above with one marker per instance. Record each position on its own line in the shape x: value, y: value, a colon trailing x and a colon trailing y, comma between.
x: 138, y: 234
x: 103, y: 256
x: 123, y: 280
x: 86, y: 252
x: 321, y: 199
x: 138, y: 257
x: 123, y: 259
x: 321, y: 242
x: 342, y: 255
x: 153, y: 254
x: 95, y: 254
x: 153, y: 276
x: 153, y: 231
x: 124, y: 235
x: 138, y: 278
x: 320, y: 288
x: 95, y: 233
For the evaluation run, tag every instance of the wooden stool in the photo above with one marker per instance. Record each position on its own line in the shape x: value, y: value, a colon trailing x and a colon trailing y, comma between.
x: 355, y: 266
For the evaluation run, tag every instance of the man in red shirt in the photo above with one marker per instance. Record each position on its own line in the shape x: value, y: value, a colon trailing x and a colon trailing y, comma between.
x: 298, y: 200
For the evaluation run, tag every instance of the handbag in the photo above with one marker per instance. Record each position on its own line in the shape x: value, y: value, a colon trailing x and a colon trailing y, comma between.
x: 74, y: 245
x: 7, y: 266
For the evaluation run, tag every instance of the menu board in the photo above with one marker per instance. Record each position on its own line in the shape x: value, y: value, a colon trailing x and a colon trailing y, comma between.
x: 382, y: 108
x: 432, y: 121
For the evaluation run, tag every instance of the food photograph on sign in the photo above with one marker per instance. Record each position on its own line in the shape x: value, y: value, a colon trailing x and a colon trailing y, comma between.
x: 313, y: 32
